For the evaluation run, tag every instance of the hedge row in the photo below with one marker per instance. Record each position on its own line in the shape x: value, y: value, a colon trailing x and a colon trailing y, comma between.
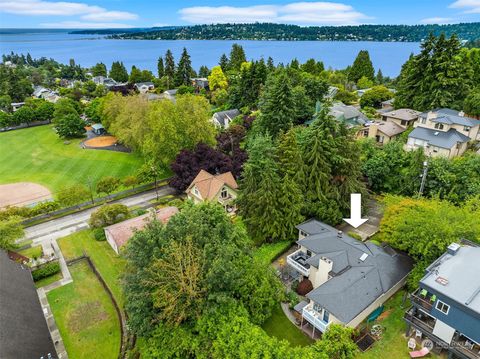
x: 47, y: 270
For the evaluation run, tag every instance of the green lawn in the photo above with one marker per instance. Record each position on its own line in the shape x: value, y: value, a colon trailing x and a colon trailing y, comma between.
x: 393, y: 343
x: 32, y: 252
x: 268, y: 252
x: 278, y: 325
x: 86, y: 316
x: 107, y: 262
x: 37, y: 155
x: 49, y: 280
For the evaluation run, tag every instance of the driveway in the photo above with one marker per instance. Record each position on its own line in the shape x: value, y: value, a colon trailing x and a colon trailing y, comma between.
x: 370, y: 227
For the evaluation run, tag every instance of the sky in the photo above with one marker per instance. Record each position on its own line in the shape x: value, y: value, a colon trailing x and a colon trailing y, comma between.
x: 148, y: 13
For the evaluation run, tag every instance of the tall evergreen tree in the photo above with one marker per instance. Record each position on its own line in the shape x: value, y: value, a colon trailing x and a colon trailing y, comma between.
x: 118, y: 72
x: 184, y: 70
x: 362, y: 66
x: 277, y: 105
x: 98, y: 70
x: 237, y: 57
x: 223, y: 62
x: 290, y: 158
x: 269, y: 204
x: 270, y: 64
x: 379, y: 77
x: 169, y: 68
x: 203, y: 71
x: 160, y: 67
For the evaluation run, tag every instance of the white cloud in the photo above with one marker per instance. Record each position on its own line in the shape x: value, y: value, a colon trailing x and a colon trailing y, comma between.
x: 438, y: 20
x: 84, y: 25
x: 469, y: 6
x: 311, y: 13
x: 61, y: 8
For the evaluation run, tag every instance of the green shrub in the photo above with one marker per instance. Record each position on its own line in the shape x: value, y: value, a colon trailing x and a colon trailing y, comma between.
x: 99, y: 234
x: 108, y: 214
x: 45, y: 271
x: 292, y: 299
x: 355, y: 235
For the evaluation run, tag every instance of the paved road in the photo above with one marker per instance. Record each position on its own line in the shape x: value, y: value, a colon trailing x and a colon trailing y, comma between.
x: 369, y: 228
x: 61, y: 227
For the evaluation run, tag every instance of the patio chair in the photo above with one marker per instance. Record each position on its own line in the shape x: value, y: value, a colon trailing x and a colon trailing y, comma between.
x: 412, y: 344
x: 423, y: 293
x: 419, y: 353
x: 418, y: 334
x: 433, y: 298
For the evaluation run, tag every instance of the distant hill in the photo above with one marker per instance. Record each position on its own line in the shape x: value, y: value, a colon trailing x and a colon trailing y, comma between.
x: 268, y: 31
x: 120, y: 31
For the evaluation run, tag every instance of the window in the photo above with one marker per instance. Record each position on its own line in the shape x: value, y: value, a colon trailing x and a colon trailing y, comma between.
x: 404, y: 123
x: 365, y: 133
x: 423, y: 120
x: 326, y: 316
x: 466, y: 128
x: 439, y: 126
x: 224, y: 193
x: 441, y: 306
x: 195, y: 190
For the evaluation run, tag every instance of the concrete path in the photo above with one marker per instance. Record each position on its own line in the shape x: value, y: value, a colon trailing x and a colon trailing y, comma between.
x: 52, y: 326
x: 369, y: 228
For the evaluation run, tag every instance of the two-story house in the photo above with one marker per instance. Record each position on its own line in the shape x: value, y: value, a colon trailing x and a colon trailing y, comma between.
x: 446, y: 306
x: 403, y: 116
x: 443, y: 132
x: 350, y: 278
x: 221, y: 188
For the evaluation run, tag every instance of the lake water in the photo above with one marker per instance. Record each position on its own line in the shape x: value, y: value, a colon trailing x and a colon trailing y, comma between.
x: 87, y: 50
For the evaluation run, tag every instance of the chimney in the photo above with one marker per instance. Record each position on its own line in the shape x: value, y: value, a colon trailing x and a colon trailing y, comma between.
x: 325, y: 265
x: 461, y: 114
x: 453, y: 248
x: 339, y: 234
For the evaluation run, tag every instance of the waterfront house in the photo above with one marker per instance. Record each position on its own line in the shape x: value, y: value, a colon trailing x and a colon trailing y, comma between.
x: 446, y: 305
x: 119, y: 234
x: 224, y: 118
x: 443, y: 132
x: 23, y: 328
x: 350, y: 278
x: 221, y: 188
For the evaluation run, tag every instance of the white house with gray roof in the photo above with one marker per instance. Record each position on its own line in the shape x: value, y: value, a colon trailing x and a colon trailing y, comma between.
x: 446, y: 306
x: 350, y: 278
x: 443, y: 132
x: 223, y: 119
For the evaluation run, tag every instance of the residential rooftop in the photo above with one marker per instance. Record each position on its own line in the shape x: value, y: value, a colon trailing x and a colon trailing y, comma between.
x: 404, y: 114
x: 361, y: 272
x: 23, y: 329
x: 442, y: 139
x: 456, y: 275
x: 449, y: 116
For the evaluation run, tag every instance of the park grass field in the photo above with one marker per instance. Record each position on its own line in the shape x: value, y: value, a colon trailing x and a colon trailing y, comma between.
x: 86, y: 316
x: 38, y: 155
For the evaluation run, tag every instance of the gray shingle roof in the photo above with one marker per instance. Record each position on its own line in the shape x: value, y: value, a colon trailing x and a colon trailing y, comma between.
x: 449, y: 116
x: 312, y: 226
x: 355, y: 283
x: 339, y: 109
x: 403, y: 114
x: 23, y: 329
x: 439, y: 138
x: 222, y: 116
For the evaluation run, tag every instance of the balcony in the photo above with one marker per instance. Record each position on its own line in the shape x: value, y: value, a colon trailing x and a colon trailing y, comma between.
x: 423, y: 299
x: 314, y: 318
x: 460, y: 345
x: 298, y: 261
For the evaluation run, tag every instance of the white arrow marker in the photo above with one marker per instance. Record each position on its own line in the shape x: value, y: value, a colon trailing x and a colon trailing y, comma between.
x: 355, y: 219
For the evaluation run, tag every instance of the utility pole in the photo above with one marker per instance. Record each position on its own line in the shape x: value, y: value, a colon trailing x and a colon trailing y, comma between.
x: 90, y: 187
x: 424, y: 178
x: 154, y: 170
